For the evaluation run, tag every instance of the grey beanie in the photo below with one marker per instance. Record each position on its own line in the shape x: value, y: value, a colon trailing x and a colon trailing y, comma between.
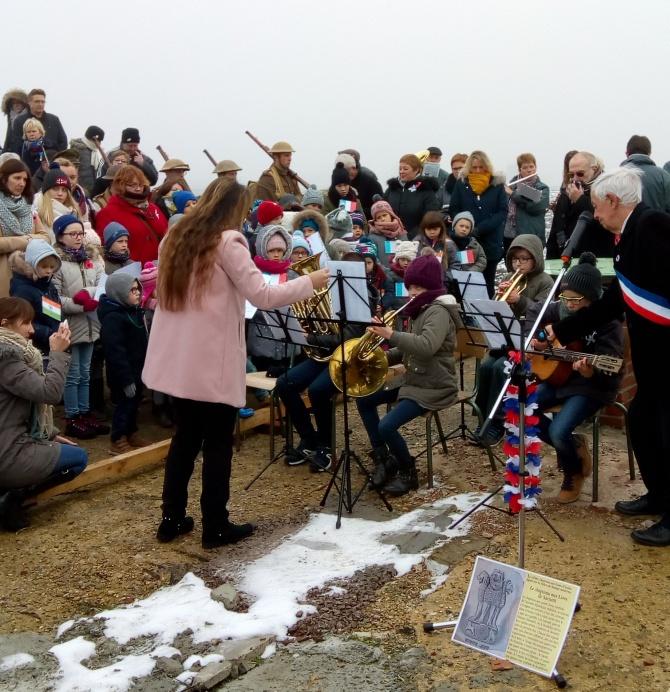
x: 38, y: 250
x: 464, y: 215
x: 312, y: 196
x: 118, y: 287
x: 340, y: 222
x: 584, y: 278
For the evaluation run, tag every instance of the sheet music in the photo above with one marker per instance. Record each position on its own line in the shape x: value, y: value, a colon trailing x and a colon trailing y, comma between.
x: 472, y: 284
x: 316, y: 245
x: 355, y: 291
x: 484, y: 314
x: 284, y: 317
x: 270, y: 280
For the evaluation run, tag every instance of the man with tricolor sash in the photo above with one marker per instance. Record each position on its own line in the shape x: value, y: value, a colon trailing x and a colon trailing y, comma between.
x: 642, y: 292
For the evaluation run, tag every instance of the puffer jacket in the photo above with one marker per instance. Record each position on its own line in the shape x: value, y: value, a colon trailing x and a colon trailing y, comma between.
x: 71, y: 278
x: 410, y: 201
x: 428, y: 356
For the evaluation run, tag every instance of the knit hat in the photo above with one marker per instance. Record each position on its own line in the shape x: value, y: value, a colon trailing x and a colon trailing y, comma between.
x: 366, y: 248
x: 62, y: 222
x: 113, y: 231
x: 464, y: 215
x: 118, y: 285
x: 94, y: 132
x: 312, y: 196
x: 406, y: 249
x: 55, y: 177
x: 339, y: 222
x: 276, y: 242
x: 38, y: 250
x: 425, y: 271
x: 339, y: 175
x: 181, y: 197
x: 349, y: 160
x: 268, y: 211
x: 357, y: 219
x: 382, y: 206
x: 309, y: 223
x: 130, y: 135
x: 148, y: 280
x: 298, y: 240
x: 584, y: 278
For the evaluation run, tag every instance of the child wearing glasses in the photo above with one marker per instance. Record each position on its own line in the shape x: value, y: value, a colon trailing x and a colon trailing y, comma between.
x: 76, y: 281
x: 587, y: 390
x: 524, y: 256
x: 124, y: 339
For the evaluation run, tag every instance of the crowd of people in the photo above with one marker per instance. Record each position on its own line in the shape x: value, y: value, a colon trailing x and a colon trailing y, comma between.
x: 111, y: 280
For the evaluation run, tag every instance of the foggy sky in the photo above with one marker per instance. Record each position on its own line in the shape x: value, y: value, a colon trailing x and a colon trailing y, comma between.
x: 387, y: 78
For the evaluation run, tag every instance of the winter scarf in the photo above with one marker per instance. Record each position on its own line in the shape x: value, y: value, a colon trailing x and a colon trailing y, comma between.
x: 272, y: 266
x: 397, y: 269
x: 34, y: 149
x: 138, y: 199
x: 479, y: 182
x: 389, y: 229
x: 75, y: 254
x: 16, y: 216
x: 334, y: 195
x: 413, y: 309
x: 461, y: 243
x: 117, y: 257
x: 41, y: 415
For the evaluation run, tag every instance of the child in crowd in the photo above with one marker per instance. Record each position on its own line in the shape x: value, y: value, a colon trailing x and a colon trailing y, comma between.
x: 374, y: 272
x: 340, y: 192
x: 299, y: 247
x: 269, y: 214
x: 470, y: 255
x: 395, y: 294
x: 115, y: 250
x: 33, y: 150
x: 124, y: 339
x: 586, y: 390
x: 310, y: 222
x: 525, y: 254
x: 33, y: 271
x: 433, y: 234
x: 358, y: 224
x: 184, y: 201
x: 312, y: 199
x: 386, y: 230
x: 340, y: 223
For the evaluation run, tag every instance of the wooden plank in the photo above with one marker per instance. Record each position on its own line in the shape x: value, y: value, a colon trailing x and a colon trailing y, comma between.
x: 260, y: 380
x: 112, y: 468
x: 260, y: 417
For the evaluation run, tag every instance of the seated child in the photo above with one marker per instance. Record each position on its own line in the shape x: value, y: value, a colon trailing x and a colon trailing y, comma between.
x: 357, y: 227
x: 395, y: 292
x: 313, y: 199
x: 124, y: 339
x: 374, y: 272
x: 526, y: 255
x: 433, y: 234
x: 300, y: 248
x: 586, y: 390
x: 385, y: 230
x: 470, y: 255
x: 340, y: 191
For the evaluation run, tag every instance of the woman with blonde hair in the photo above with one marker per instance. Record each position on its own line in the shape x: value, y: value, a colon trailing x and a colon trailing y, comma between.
x: 481, y: 191
x: 197, y: 352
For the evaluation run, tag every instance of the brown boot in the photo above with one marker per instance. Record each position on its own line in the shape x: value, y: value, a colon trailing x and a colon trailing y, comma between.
x: 120, y: 446
x: 584, y: 453
x: 135, y: 440
x: 570, y: 488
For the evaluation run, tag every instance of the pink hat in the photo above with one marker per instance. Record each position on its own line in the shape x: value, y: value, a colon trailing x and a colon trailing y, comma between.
x: 276, y: 242
x: 148, y: 279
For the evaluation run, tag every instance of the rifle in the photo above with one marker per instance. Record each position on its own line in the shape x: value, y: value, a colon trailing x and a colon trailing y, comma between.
x: 210, y: 157
x: 163, y: 153
x: 266, y: 149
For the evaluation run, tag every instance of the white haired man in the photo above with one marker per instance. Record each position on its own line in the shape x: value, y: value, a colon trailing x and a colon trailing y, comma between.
x: 642, y: 292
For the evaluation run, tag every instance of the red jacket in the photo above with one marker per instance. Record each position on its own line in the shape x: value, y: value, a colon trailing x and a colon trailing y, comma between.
x: 146, y: 227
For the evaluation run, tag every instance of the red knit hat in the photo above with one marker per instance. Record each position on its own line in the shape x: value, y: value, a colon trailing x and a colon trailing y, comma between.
x: 424, y: 271
x: 267, y: 211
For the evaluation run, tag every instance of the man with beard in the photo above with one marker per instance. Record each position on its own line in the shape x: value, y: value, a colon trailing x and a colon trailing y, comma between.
x: 130, y: 144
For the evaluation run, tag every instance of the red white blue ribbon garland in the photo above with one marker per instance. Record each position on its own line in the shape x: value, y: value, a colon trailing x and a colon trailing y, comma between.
x: 511, y: 489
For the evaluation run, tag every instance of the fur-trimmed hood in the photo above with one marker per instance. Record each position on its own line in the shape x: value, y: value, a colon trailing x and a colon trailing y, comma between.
x: 320, y: 220
x: 422, y: 182
x: 263, y: 236
x: 92, y: 252
x: 18, y: 265
x: 13, y: 94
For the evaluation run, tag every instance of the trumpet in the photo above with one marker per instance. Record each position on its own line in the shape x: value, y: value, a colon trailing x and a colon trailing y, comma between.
x: 318, y: 306
x: 517, y: 282
x: 366, y: 362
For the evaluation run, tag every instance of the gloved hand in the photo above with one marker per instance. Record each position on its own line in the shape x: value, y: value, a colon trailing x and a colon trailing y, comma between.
x: 84, y: 299
x: 130, y: 390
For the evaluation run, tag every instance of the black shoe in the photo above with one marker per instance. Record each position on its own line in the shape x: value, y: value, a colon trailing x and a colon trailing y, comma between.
x: 493, y: 435
x: 170, y: 528
x: 225, y: 534
x: 643, y: 505
x: 12, y: 515
x: 385, y: 467
x: 657, y: 535
x: 321, y: 461
x: 405, y: 480
x: 76, y: 427
x: 299, y: 455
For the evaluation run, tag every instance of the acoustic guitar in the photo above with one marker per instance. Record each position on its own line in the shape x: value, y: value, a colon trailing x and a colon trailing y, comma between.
x: 554, y: 366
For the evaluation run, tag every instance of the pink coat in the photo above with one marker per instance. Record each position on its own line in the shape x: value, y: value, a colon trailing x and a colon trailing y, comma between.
x: 200, y: 353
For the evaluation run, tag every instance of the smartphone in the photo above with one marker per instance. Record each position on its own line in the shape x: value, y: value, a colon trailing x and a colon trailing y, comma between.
x: 65, y: 324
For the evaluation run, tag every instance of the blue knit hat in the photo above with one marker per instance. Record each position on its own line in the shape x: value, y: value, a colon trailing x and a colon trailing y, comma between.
x: 38, y: 250
x: 298, y: 240
x: 113, y: 231
x: 62, y: 222
x: 366, y: 248
x: 309, y: 223
x: 181, y: 197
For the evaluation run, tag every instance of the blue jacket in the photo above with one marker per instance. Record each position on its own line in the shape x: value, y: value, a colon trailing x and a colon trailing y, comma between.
x: 489, y: 210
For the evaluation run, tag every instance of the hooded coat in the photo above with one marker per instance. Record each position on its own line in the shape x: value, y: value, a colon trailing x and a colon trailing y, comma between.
x: 320, y: 219
x: 23, y: 460
x: 25, y: 284
x: 8, y: 97
x: 410, y: 201
x: 655, y: 182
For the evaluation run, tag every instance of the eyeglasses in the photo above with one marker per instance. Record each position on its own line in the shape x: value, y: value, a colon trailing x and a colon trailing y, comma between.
x: 522, y: 259
x: 135, y: 290
x: 568, y: 299
x: 78, y: 234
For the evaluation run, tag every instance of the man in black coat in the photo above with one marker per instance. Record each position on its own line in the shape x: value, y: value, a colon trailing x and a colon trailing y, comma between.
x: 362, y: 179
x: 54, y: 133
x: 642, y: 291
x: 130, y: 143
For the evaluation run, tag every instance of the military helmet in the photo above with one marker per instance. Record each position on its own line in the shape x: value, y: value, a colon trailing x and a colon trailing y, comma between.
x: 281, y: 148
x: 226, y: 166
x: 175, y: 165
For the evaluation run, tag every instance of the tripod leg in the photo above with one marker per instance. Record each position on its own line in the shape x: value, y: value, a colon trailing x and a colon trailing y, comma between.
x: 549, y: 524
x: 429, y: 449
x: 454, y: 524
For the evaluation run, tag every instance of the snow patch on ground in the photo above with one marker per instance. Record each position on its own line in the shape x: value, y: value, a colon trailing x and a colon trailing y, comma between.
x: 15, y: 661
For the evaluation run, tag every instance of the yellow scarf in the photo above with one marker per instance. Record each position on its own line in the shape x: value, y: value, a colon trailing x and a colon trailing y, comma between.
x: 479, y: 182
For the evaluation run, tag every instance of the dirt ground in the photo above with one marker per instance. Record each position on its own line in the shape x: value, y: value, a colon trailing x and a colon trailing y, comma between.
x: 95, y: 549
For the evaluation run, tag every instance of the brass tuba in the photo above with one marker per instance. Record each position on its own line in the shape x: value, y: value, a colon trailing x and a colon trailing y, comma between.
x: 518, y: 281
x: 318, y: 306
x: 367, y: 364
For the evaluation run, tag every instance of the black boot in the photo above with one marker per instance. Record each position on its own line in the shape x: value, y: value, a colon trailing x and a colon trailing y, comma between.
x: 405, y: 480
x: 223, y: 534
x: 12, y: 515
x: 171, y: 527
x: 385, y: 467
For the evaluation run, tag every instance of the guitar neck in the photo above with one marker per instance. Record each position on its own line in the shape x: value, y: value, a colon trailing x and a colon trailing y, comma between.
x: 571, y: 356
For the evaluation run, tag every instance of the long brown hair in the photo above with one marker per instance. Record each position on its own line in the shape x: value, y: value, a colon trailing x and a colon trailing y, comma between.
x: 189, y: 249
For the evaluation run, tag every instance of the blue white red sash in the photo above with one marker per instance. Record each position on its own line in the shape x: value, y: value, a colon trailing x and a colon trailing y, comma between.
x: 649, y: 305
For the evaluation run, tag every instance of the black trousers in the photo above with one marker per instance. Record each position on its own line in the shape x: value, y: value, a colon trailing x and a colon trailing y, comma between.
x: 124, y: 418
x: 210, y: 427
